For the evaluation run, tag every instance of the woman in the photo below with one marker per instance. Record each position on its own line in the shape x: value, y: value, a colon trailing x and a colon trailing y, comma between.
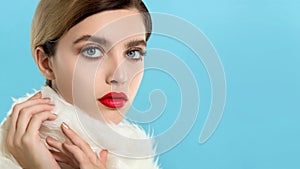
x: 91, y: 53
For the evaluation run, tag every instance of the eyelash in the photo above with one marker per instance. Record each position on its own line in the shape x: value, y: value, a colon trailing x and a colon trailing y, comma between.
x: 141, y: 52
x: 89, y: 47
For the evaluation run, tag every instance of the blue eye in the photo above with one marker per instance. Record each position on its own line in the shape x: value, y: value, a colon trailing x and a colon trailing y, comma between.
x: 92, y: 52
x: 135, y: 54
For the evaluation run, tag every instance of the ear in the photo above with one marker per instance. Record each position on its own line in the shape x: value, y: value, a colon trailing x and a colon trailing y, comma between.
x: 44, y: 63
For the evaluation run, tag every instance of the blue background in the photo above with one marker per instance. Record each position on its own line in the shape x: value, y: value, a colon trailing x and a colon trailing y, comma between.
x: 259, y: 45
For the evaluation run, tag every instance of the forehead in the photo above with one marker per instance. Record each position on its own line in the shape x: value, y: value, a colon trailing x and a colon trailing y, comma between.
x: 114, y: 26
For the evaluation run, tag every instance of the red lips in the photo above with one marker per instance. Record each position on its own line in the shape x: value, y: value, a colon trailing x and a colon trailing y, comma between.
x: 114, y: 100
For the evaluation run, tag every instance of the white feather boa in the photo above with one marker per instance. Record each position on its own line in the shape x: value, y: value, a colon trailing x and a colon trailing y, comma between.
x: 122, y: 141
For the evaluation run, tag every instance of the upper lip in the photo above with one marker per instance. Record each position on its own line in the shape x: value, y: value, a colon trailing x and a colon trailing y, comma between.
x: 115, y: 95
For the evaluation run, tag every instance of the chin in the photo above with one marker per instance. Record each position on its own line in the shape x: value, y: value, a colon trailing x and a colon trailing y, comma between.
x: 113, y: 115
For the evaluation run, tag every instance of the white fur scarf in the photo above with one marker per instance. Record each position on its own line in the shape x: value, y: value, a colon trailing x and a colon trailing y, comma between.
x: 128, y: 145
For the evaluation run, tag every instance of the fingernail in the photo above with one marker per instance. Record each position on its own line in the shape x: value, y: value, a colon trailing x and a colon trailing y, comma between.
x: 52, y: 105
x: 47, y: 98
x: 49, y: 139
x: 64, y: 125
x: 44, y: 100
x: 39, y: 94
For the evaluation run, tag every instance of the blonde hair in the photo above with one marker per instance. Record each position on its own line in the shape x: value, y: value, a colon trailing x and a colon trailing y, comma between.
x: 53, y: 18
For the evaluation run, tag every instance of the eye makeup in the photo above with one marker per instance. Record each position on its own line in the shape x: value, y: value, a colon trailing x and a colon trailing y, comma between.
x: 91, y: 47
x: 135, y: 54
x: 92, y: 51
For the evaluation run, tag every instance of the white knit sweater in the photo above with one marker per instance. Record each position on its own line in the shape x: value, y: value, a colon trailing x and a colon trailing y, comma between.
x: 128, y: 145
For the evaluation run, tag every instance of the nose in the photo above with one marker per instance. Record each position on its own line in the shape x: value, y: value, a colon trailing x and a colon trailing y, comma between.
x: 116, y: 73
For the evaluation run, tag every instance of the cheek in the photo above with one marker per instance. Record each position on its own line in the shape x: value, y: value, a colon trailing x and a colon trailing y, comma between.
x: 85, y: 84
x: 100, y: 87
x: 64, y: 69
x: 135, y: 84
x: 135, y: 72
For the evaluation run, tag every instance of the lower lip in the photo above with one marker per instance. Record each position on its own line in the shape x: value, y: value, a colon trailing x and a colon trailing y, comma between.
x: 113, y: 103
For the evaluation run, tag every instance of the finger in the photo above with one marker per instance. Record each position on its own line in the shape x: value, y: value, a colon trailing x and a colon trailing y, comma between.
x: 18, y: 107
x: 62, y: 158
x: 36, y: 121
x: 26, y: 114
x: 52, y: 142
x: 63, y: 155
x: 76, y: 140
x: 36, y: 95
x: 15, y: 114
x: 103, y: 156
x: 75, y: 153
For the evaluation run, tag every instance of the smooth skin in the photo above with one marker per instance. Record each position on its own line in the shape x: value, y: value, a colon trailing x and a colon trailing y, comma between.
x: 82, y: 77
x: 77, y: 149
x: 24, y: 142
x: 121, y: 70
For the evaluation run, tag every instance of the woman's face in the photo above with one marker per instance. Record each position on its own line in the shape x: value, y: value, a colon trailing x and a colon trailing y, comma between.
x: 98, y: 64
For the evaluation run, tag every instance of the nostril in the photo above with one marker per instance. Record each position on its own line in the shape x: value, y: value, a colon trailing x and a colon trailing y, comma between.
x: 114, y: 82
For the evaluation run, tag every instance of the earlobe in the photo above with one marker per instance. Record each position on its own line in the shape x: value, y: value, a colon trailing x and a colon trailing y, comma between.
x: 44, y: 64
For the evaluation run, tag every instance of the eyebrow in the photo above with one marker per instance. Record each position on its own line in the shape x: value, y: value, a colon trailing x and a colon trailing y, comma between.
x: 99, y: 40
x: 104, y: 42
x: 134, y: 43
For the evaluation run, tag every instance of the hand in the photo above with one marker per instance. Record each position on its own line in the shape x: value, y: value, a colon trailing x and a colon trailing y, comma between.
x: 76, y: 152
x: 23, y: 139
